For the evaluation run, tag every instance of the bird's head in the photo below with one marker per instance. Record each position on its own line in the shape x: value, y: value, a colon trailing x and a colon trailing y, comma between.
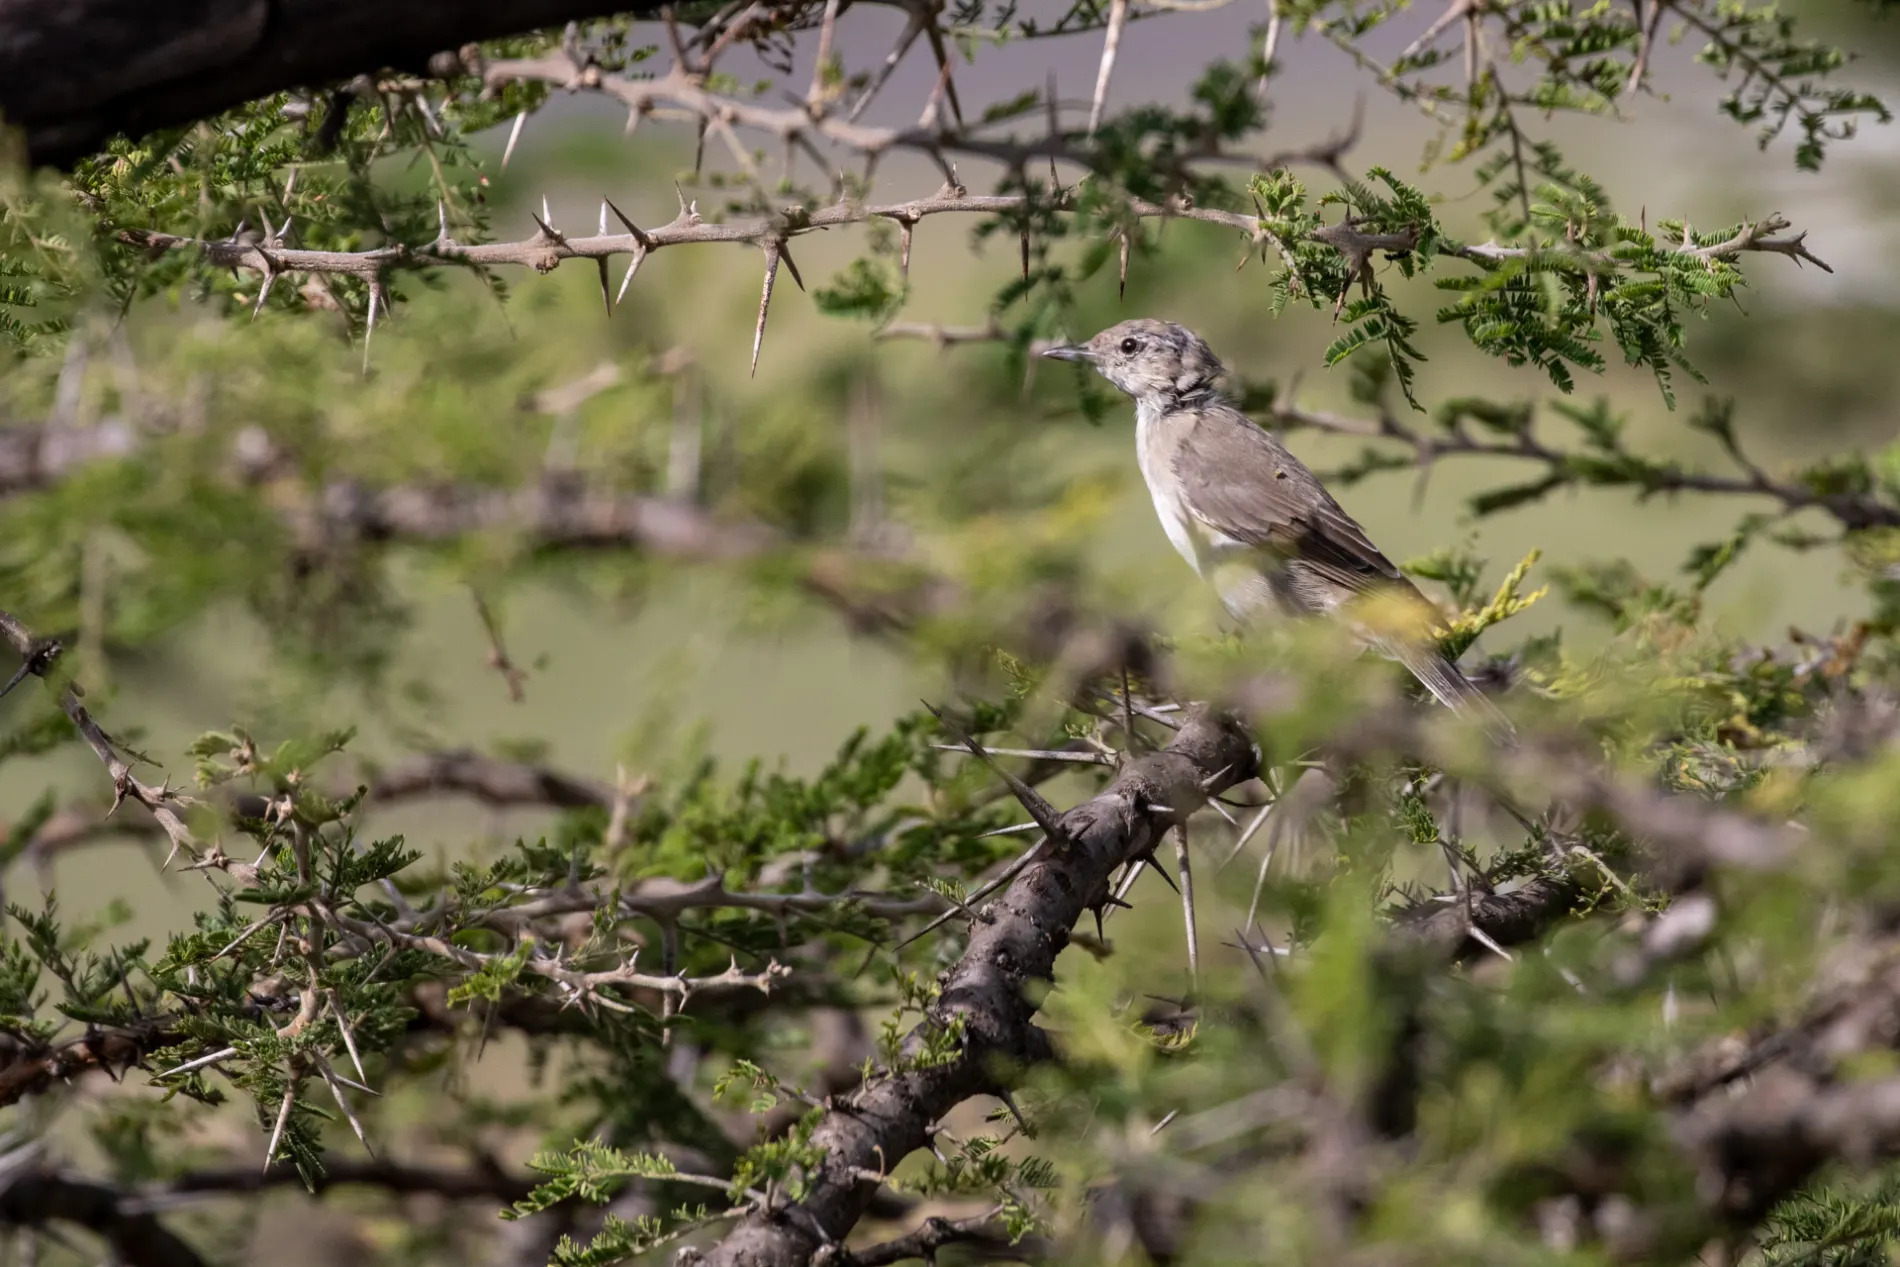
x: 1148, y: 359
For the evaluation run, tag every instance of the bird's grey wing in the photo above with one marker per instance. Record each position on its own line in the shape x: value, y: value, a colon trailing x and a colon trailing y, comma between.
x: 1242, y: 483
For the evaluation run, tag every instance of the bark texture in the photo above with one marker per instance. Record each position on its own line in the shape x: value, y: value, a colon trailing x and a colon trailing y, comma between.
x: 874, y: 1129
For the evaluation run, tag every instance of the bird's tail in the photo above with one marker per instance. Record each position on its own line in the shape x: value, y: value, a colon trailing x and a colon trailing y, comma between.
x: 1454, y: 690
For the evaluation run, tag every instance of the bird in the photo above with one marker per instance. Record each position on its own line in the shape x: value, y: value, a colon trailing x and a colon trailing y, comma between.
x: 1246, y: 514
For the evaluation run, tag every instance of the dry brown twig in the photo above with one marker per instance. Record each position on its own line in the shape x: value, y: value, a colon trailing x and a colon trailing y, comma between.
x: 38, y: 656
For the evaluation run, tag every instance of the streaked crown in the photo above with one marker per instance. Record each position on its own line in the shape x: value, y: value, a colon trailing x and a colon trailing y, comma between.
x: 1148, y: 359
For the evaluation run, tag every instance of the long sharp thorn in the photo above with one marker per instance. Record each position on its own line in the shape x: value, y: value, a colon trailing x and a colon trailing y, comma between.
x: 943, y: 68
x: 1007, y: 831
x: 1121, y: 286
x: 1181, y: 862
x: 1165, y: 877
x: 639, y: 234
x: 606, y: 287
x: 236, y: 941
x: 1128, y: 712
x: 353, y: 1084
x: 791, y: 266
x: 765, y: 301
x: 699, y: 148
x: 1245, y: 836
x: 1009, y: 1102
x: 603, y: 217
x: 514, y: 134
x: 1009, y: 873
x: 336, y: 1090
x: 263, y: 291
x: 283, y: 1120
x: 223, y: 1053
x: 19, y: 675
x: 912, y: 29
x: 1260, y: 878
x: 633, y: 266
x: 933, y: 105
x: 441, y: 221
x: 1128, y: 880
x: 1046, y: 815
x: 1055, y: 134
x: 349, y: 1039
x: 903, y: 258
x: 1488, y: 942
x: 1111, y: 45
x: 369, y: 329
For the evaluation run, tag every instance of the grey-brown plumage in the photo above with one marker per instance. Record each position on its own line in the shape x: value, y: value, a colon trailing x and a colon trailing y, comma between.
x: 1242, y: 510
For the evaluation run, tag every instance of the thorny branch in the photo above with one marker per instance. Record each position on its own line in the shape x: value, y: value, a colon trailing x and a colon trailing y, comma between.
x: 31, y: 1198
x: 982, y: 1011
x: 1853, y: 509
x: 38, y: 658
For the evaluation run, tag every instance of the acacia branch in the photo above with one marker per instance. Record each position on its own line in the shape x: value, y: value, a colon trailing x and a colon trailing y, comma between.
x: 38, y: 657
x: 936, y: 1232
x: 29, y: 1068
x: 982, y: 1011
x: 1853, y: 510
x: 875, y: 589
x: 489, y: 780
x: 1565, y: 467
x: 137, y: 1237
x: 484, y: 1181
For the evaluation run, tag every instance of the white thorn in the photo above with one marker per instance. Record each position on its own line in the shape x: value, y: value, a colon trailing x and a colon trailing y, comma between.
x: 330, y: 1077
x: 263, y: 293
x: 349, y: 1039
x: 1484, y: 939
x: 221, y: 1054
x: 627, y: 281
x: 283, y: 1119
x: 369, y: 332
x: 514, y: 134
x: 1246, y: 836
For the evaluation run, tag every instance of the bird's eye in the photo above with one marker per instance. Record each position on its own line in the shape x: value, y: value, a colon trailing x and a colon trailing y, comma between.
x: 1130, y: 346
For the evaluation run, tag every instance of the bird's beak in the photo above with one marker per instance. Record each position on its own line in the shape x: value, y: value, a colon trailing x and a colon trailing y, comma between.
x: 1070, y: 352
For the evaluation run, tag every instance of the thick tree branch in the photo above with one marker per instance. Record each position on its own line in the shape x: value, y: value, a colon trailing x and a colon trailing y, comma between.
x: 874, y: 589
x: 484, y: 1181
x: 138, y: 1239
x: 489, y: 780
x: 983, y: 1010
x: 74, y: 72
x: 30, y: 1068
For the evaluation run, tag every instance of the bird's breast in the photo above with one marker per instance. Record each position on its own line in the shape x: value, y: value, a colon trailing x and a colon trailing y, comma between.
x: 1154, y: 450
